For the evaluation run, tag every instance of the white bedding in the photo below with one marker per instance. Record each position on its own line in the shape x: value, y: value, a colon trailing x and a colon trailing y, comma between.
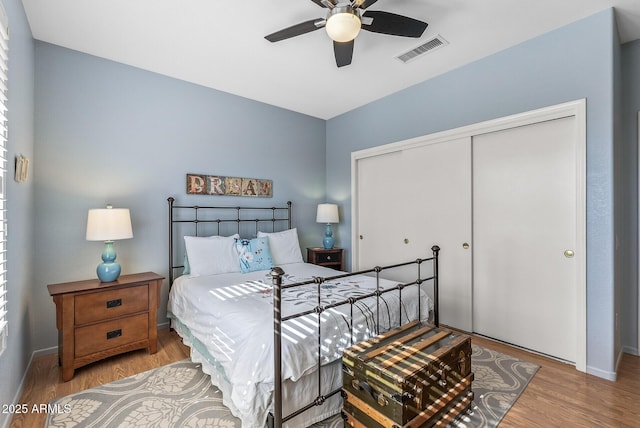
x: 228, y: 319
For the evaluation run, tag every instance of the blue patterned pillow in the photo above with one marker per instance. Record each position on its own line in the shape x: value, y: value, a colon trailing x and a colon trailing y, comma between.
x: 254, y: 254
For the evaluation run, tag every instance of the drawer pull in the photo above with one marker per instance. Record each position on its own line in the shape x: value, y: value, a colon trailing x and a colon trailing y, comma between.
x: 113, y: 334
x: 114, y: 303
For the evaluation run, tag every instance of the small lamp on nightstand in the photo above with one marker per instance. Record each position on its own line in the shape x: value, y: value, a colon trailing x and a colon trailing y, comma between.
x: 327, y: 213
x: 108, y: 225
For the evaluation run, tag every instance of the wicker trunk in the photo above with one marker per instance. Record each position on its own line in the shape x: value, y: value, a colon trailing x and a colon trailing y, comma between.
x: 413, y: 376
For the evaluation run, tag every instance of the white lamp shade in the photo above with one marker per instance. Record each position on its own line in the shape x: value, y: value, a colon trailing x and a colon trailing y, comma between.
x: 109, y: 224
x: 327, y: 213
x: 343, y: 26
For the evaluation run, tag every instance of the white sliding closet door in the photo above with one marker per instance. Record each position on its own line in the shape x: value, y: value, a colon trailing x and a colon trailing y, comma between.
x: 411, y: 199
x: 438, y: 211
x: 524, y: 227
x: 378, y: 226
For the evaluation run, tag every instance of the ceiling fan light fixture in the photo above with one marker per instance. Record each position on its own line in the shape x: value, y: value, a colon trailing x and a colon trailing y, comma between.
x: 343, y: 24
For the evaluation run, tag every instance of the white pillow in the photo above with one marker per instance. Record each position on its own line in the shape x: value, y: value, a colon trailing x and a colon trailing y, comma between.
x: 211, y: 255
x: 284, y: 246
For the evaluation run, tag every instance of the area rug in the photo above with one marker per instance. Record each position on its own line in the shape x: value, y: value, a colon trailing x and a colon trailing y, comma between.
x: 181, y: 395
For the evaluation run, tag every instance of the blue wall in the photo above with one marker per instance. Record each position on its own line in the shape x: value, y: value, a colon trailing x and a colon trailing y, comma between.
x: 13, y: 363
x: 628, y: 163
x: 573, y: 62
x: 110, y: 133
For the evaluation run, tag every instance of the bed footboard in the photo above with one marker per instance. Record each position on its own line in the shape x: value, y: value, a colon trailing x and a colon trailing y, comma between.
x: 276, y: 418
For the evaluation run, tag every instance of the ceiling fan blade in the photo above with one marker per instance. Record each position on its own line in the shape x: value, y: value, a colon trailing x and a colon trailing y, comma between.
x: 296, y: 30
x: 343, y: 52
x: 363, y: 4
x: 326, y: 3
x: 390, y: 23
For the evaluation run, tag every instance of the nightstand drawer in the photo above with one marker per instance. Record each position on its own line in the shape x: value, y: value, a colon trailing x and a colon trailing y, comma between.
x: 109, y: 304
x: 111, y: 334
x: 329, y: 257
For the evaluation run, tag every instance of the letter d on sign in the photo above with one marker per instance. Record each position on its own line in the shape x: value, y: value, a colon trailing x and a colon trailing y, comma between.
x: 196, y: 184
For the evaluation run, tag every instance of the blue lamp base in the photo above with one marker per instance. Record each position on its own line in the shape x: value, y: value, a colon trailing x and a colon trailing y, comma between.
x: 109, y: 269
x: 327, y: 242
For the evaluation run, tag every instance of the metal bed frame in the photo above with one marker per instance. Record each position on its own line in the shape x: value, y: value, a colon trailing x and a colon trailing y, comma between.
x: 276, y: 419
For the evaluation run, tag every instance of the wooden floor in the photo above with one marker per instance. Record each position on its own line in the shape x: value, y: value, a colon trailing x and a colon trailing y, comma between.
x: 557, y: 396
x: 43, y: 382
x: 560, y: 396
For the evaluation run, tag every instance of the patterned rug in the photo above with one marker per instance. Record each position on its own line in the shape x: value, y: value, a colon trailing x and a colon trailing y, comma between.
x: 181, y: 395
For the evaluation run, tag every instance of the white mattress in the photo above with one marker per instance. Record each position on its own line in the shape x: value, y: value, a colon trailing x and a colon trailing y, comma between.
x: 228, y: 320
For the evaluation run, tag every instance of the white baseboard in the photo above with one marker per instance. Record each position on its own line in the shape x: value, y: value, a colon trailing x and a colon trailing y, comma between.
x: 630, y: 350
x: 612, y: 376
x: 45, y: 351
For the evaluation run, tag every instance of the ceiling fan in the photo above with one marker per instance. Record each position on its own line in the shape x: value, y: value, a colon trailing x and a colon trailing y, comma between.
x: 344, y: 21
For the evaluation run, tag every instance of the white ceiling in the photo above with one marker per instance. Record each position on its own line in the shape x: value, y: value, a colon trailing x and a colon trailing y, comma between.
x: 220, y: 44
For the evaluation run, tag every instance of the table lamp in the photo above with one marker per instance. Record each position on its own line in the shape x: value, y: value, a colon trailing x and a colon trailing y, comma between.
x: 327, y: 213
x: 108, y: 225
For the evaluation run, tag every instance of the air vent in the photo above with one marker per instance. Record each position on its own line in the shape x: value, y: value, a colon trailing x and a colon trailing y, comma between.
x: 430, y: 45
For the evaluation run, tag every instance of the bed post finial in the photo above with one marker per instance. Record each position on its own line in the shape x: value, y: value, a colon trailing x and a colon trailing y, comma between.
x: 276, y: 275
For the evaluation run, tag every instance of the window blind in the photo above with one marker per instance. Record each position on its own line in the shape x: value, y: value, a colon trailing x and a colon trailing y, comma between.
x: 4, y: 76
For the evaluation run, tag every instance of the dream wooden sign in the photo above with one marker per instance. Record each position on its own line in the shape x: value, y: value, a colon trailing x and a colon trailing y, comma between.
x: 199, y: 184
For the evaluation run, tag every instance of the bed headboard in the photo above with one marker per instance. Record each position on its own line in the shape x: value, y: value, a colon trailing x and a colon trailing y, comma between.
x: 195, y: 220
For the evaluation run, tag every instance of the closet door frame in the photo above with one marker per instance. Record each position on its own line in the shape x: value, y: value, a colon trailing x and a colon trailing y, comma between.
x: 575, y: 109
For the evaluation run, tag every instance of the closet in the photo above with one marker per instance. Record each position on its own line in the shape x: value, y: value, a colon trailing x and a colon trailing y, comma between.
x: 504, y: 200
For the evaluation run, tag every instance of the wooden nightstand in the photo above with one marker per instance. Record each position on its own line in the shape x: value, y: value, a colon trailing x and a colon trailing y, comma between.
x: 333, y: 258
x: 96, y: 320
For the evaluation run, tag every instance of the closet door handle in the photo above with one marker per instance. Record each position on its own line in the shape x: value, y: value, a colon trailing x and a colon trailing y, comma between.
x: 569, y: 253
x: 465, y: 245
x: 406, y: 241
